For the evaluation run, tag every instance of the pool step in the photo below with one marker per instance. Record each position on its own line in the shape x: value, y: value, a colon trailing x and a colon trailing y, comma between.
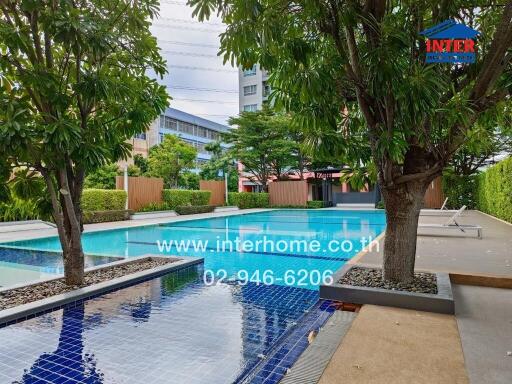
x: 313, y: 361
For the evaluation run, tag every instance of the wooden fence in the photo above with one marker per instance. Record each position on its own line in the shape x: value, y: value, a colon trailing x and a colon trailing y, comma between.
x: 288, y: 192
x: 434, y: 197
x: 142, y: 190
x: 218, y: 190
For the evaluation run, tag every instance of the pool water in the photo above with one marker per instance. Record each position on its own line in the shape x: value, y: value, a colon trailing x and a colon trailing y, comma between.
x: 180, y: 328
x: 287, y: 258
x: 171, y: 329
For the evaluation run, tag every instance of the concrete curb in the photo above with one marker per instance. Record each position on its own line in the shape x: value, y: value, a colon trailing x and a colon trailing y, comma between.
x: 29, y: 310
x: 440, y: 303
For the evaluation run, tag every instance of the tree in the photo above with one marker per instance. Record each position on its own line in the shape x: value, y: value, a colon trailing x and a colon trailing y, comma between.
x: 170, y: 158
x: 73, y: 89
x: 260, y: 142
x: 220, y: 161
x: 103, y: 177
x: 141, y: 162
x: 357, y: 69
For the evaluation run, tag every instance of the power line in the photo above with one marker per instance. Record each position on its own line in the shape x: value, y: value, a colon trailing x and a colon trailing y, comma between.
x: 191, y: 21
x: 202, y: 68
x: 205, y: 101
x: 187, y: 88
x: 181, y: 53
x: 185, y: 27
x: 189, y: 44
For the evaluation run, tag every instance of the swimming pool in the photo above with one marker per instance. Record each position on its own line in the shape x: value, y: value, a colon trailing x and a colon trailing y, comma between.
x: 180, y: 328
x: 293, y: 243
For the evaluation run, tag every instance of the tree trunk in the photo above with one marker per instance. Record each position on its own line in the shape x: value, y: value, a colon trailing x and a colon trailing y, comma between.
x: 73, y: 260
x: 403, y: 204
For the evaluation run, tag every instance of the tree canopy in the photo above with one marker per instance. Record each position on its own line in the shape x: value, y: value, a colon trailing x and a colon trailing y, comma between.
x: 170, y: 159
x: 73, y: 89
x: 354, y: 73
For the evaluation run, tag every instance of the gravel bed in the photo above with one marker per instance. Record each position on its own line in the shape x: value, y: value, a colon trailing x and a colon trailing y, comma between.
x: 23, y: 295
x: 372, y: 277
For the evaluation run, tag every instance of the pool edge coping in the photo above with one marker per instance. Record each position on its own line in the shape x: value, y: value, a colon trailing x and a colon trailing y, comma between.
x: 25, y: 311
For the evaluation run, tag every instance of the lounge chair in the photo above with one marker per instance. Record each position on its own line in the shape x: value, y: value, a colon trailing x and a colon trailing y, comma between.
x: 452, y: 224
x: 439, y: 212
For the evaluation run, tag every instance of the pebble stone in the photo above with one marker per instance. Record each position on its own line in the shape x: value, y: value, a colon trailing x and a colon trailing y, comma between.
x: 23, y: 295
x: 372, y: 277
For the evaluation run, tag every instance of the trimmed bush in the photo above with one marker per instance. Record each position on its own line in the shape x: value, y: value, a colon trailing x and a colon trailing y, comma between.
x: 182, y: 197
x: 460, y: 190
x: 90, y: 217
x: 103, y: 200
x: 315, y: 204
x: 193, y: 209
x: 155, y: 207
x: 245, y: 200
x: 494, y: 190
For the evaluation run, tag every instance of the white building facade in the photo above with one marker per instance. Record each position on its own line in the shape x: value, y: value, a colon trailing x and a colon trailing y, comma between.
x: 253, y: 88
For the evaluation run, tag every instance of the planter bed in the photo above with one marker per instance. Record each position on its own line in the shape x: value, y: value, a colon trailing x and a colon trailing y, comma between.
x: 24, y: 301
x: 358, y: 284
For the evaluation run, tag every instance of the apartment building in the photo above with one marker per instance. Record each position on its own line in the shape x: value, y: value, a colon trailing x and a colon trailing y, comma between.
x: 190, y: 128
x: 253, y: 88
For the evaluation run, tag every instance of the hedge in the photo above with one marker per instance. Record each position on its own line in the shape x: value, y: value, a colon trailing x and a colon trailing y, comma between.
x: 90, y: 217
x: 494, y: 190
x: 315, y: 204
x: 103, y: 200
x: 244, y: 200
x: 192, y: 209
x: 460, y: 190
x: 173, y: 198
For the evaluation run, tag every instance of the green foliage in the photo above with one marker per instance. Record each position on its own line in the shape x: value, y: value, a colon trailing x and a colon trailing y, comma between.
x: 245, y: 200
x: 193, y: 209
x: 494, y: 194
x: 141, y: 162
x: 15, y: 209
x: 380, y: 205
x: 103, y: 200
x: 315, y: 204
x: 105, y: 216
x: 221, y: 160
x: 181, y: 197
x: 189, y: 180
x: 155, y: 207
x: 103, y: 177
x: 170, y: 158
x: 262, y: 142
x: 460, y: 190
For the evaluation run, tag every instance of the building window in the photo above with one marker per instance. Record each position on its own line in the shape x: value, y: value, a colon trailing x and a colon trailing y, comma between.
x: 266, y: 89
x: 250, y: 72
x: 141, y: 136
x: 186, y: 128
x: 250, y: 90
x: 251, y: 108
x: 169, y: 123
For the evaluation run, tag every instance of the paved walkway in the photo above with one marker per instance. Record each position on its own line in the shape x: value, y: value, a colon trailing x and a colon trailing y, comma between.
x: 398, y: 346
x: 464, y: 253
x: 484, y: 317
x: 39, y: 233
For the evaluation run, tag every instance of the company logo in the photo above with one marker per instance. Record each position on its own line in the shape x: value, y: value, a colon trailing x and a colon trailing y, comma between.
x: 450, y: 42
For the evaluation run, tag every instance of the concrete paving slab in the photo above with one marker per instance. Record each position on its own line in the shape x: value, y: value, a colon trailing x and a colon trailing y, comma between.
x: 399, y: 346
x: 484, y: 317
x: 464, y: 253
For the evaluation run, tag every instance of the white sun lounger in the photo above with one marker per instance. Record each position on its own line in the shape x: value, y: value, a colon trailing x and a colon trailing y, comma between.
x: 439, y: 212
x: 452, y: 224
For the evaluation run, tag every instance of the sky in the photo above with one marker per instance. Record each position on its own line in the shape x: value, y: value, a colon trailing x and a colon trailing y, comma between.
x: 197, y: 80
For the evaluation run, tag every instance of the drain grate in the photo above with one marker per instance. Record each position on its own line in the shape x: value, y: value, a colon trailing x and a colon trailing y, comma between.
x: 311, y: 364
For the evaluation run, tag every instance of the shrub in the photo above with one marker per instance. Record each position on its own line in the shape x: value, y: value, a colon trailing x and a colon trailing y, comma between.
x: 288, y: 206
x: 245, y: 200
x: 494, y: 190
x: 182, y: 197
x: 380, y: 205
x: 154, y: 207
x: 193, y: 209
x: 315, y: 204
x: 90, y: 217
x: 460, y: 190
x: 103, y: 200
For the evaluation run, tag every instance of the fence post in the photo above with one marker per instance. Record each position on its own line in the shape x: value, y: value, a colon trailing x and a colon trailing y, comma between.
x: 126, y: 185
